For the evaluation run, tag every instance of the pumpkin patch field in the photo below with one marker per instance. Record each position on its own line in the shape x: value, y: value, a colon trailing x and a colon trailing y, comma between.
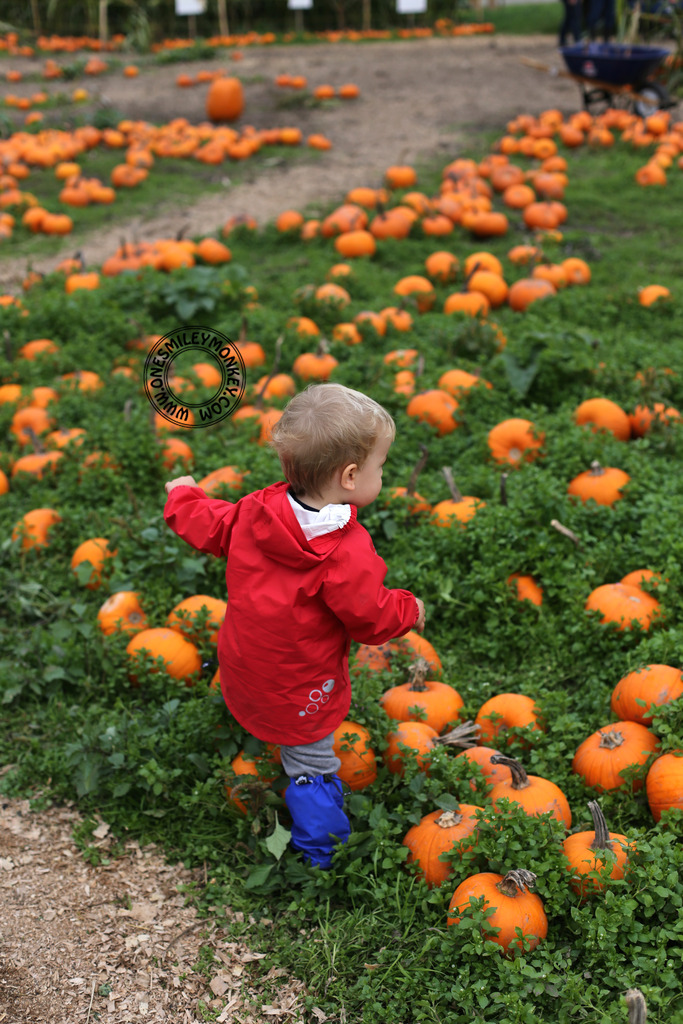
x: 514, y: 776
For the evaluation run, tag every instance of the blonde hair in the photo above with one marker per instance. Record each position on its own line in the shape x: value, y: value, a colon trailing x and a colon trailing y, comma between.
x: 325, y: 428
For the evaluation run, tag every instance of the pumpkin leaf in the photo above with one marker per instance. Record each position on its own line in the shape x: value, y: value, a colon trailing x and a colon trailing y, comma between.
x: 278, y: 840
x: 520, y: 378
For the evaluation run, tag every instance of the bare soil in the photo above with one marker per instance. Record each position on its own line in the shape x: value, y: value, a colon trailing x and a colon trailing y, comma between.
x: 418, y: 98
x: 116, y: 942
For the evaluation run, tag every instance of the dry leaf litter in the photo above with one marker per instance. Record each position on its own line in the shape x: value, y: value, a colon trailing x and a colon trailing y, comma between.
x: 116, y: 943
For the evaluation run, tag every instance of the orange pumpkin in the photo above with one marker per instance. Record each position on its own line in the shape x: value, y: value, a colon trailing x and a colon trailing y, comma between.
x: 435, y: 407
x: 526, y: 588
x: 513, y: 906
x: 602, y: 484
x: 251, y: 779
x: 419, y: 739
x: 122, y: 612
x: 664, y: 784
x: 422, y: 699
x: 506, y: 711
x: 604, y: 414
x: 34, y: 527
x: 534, y: 794
x: 435, y: 835
x: 225, y: 99
x: 352, y: 745
x: 94, y: 551
x: 590, y: 854
x: 180, y: 657
x: 621, y: 605
x: 492, y: 771
x: 604, y: 755
x: 183, y: 616
x: 638, y: 692
x: 527, y: 291
x: 514, y: 441
x: 226, y: 478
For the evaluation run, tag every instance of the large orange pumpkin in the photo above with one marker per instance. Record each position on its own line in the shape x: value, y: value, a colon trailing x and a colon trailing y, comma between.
x: 604, y: 755
x: 181, y: 658
x: 653, y: 685
x: 622, y: 605
x: 513, y: 907
x: 225, y: 99
x: 429, y: 700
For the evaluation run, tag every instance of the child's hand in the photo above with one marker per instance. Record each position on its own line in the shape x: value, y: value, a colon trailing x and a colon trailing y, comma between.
x: 420, y: 624
x: 180, y: 481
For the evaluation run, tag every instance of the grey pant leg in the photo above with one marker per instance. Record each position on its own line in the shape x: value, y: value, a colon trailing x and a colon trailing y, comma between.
x: 311, y: 759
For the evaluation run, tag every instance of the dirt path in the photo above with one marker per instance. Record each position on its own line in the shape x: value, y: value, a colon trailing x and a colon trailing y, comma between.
x: 115, y: 943
x: 417, y: 98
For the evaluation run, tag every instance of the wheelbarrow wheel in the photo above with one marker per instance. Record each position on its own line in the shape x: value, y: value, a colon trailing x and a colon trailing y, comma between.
x: 597, y: 101
x: 652, y: 96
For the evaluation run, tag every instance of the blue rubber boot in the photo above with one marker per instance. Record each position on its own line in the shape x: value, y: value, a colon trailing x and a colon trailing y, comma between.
x: 318, y: 819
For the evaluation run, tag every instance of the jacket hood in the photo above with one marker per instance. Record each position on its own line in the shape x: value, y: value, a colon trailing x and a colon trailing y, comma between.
x: 278, y: 533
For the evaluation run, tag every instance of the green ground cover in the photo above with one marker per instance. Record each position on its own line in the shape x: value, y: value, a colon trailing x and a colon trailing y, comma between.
x: 153, y: 760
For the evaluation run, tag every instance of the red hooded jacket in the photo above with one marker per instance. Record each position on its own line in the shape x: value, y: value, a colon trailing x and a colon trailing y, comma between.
x: 294, y: 606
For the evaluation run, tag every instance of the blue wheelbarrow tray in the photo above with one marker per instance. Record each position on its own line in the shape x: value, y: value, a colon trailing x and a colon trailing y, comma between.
x: 614, y: 63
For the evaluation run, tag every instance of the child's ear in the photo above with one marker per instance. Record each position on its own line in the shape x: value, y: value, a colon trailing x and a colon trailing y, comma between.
x: 348, y: 477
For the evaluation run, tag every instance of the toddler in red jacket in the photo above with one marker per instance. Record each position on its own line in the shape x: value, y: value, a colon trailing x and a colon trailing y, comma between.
x: 303, y: 581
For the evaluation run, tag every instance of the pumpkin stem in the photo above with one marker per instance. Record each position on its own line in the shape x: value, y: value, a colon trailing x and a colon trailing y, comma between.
x: 602, y: 840
x: 596, y: 469
x: 475, y: 268
x: 516, y: 881
x: 417, y: 469
x: 503, y: 488
x: 243, y: 331
x: 520, y: 779
x: 127, y: 409
x: 258, y: 401
x: 323, y: 347
x: 565, y: 531
x: 637, y: 1008
x: 448, y: 819
x: 418, y: 675
x: 38, y: 445
x: 455, y: 493
x: 462, y: 736
x: 420, y: 366
x: 611, y: 740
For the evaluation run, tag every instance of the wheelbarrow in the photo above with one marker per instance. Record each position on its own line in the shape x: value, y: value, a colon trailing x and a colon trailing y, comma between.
x: 615, y: 75
x: 618, y: 74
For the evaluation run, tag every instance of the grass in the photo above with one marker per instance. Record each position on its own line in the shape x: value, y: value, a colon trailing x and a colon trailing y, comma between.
x: 525, y: 19
x: 172, y: 182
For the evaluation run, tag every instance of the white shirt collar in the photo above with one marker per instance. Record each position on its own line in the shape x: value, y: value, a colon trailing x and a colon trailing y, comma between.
x: 317, y: 524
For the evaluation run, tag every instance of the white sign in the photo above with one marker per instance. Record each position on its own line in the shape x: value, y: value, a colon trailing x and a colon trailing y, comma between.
x: 299, y: 5
x: 411, y: 6
x: 186, y: 7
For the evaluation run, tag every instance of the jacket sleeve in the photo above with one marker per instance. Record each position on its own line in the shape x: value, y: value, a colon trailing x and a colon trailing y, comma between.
x: 354, y: 590
x: 203, y: 522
